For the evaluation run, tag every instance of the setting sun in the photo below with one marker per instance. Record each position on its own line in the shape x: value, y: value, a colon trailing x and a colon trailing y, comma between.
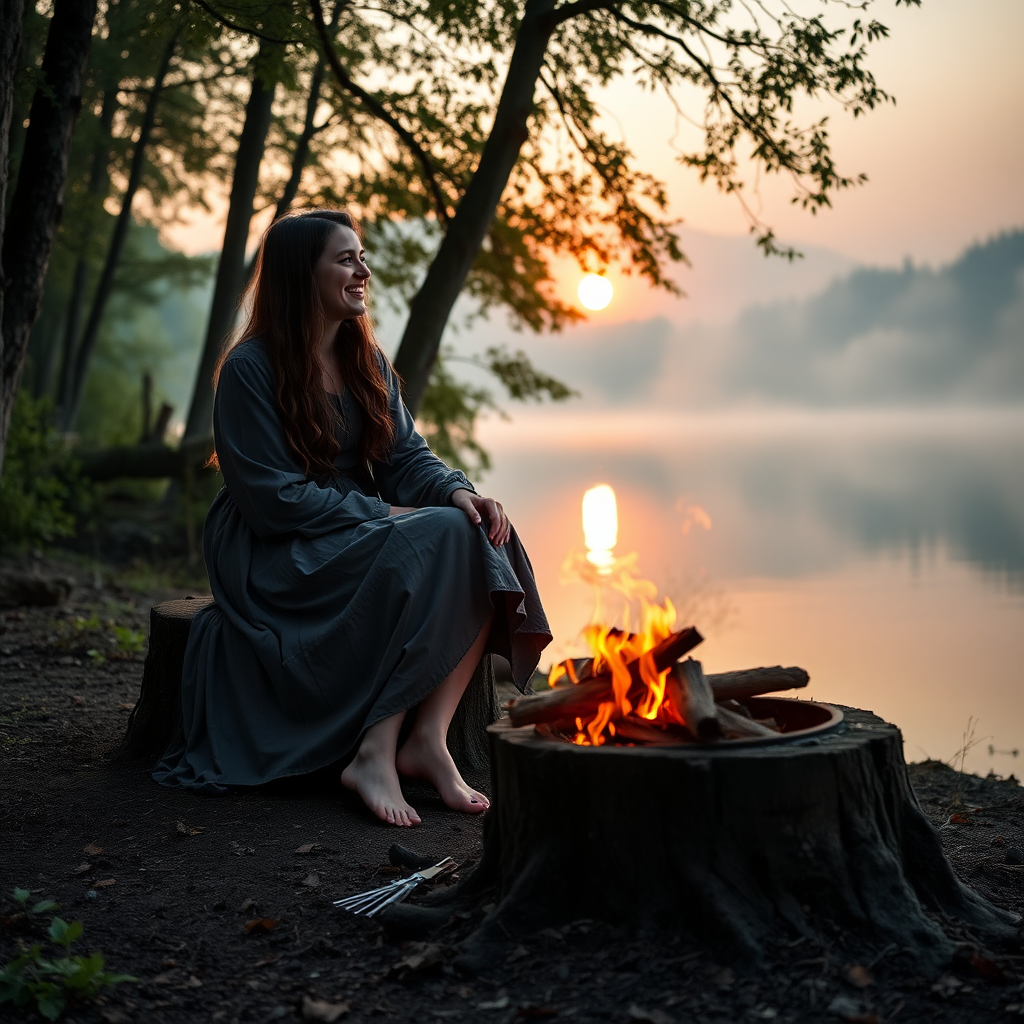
x: 595, y: 291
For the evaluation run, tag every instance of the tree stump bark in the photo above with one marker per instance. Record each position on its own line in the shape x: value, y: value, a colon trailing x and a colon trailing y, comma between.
x: 729, y: 845
x: 155, y: 721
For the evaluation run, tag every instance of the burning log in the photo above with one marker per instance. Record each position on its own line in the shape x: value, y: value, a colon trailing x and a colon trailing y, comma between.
x: 752, y: 682
x: 692, y: 697
x: 582, y: 700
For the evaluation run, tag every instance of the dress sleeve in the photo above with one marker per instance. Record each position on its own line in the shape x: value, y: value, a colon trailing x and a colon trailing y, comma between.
x: 260, y: 471
x: 414, y: 476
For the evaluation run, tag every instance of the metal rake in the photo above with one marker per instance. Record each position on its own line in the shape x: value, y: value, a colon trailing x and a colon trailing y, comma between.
x: 375, y: 900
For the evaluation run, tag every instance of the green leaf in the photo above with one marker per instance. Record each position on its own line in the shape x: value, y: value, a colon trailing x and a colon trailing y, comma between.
x: 21, y: 895
x: 44, y: 907
x: 50, y: 1002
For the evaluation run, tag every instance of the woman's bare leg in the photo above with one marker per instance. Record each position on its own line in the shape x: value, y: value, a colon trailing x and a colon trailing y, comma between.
x: 424, y: 755
x: 373, y: 776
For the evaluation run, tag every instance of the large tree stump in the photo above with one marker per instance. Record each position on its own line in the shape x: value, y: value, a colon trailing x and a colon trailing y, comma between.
x: 155, y: 721
x: 726, y: 844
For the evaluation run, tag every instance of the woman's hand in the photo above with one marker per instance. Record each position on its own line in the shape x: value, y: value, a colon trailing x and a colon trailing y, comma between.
x: 478, y: 509
x: 400, y: 510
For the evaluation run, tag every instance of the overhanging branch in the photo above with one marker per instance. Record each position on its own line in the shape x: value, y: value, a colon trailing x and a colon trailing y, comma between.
x: 377, y: 108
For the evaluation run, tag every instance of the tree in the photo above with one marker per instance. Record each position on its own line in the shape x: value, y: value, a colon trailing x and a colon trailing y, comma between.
x: 512, y: 199
x: 36, y: 205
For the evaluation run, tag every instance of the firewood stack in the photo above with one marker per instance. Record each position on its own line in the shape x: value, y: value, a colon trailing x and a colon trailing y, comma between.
x: 696, y: 708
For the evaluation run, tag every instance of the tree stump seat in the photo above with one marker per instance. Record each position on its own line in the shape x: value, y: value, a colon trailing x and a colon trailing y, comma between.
x: 730, y: 845
x: 155, y: 721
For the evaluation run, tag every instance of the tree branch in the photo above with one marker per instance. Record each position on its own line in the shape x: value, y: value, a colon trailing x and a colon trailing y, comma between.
x: 381, y: 112
x: 235, y: 27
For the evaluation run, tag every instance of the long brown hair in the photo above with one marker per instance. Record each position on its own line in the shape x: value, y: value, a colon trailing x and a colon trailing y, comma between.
x: 285, y: 314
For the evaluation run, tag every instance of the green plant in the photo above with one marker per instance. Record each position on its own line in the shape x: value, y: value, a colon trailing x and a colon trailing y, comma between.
x: 42, y: 493
x: 130, y: 641
x: 22, y: 896
x: 51, y: 983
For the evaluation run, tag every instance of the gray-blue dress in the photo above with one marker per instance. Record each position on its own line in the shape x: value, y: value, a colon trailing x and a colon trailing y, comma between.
x: 330, y: 615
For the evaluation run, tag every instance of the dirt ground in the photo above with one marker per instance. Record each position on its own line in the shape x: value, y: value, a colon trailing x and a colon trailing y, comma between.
x: 168, y: 885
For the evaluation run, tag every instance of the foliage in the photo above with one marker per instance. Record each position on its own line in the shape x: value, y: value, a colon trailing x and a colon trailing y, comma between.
x: 448, y: 416
x: 100, y: 639
x: 41, y: 491
x: 447, y: 419
x: 49, y: 983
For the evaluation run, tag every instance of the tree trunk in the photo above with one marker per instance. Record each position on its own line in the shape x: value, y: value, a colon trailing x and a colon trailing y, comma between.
x: 148, y: 461
x: 39, y: 196
x: 231, y: 269
x: 299, y: 158
x: 432, y: 304
x: 85, y: 349
x: 98, y: 187
x: 12, y: 16
x: 12, y: 19
x: 728, y: 845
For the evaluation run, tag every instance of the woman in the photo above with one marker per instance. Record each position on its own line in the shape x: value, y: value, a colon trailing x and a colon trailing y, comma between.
x: 356, y: 576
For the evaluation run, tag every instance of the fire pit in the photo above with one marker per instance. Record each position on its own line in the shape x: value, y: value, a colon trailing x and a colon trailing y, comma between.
x: 637, y: 789
x: 731, y: 818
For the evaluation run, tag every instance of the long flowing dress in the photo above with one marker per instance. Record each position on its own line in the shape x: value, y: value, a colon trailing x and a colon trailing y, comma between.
x: 329, y: 615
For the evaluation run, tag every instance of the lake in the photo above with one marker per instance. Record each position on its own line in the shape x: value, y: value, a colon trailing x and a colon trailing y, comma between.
x: 883, y: 552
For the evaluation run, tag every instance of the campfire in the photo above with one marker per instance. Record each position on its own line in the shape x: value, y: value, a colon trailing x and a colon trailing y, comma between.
x: 639, y: 688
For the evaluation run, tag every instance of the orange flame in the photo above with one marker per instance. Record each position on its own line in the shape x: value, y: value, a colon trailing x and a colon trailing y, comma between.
x: 613, y: 651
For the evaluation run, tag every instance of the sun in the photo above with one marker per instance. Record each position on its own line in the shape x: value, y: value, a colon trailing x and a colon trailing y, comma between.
x: 595, y: 291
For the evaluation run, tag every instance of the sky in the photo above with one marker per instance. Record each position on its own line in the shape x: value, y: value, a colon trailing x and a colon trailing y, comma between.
x: 945, y: 164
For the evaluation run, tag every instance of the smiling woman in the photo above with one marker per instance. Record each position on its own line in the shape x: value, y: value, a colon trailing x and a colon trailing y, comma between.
x: 356, y: 577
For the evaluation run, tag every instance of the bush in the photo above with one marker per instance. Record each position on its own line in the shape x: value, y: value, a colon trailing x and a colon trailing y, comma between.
x: 41, y: 491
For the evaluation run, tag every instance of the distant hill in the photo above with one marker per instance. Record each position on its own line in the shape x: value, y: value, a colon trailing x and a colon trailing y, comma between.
x: 872, y: 337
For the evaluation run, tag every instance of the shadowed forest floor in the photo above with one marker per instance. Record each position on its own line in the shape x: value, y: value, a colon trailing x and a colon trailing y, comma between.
x: 166, y: 883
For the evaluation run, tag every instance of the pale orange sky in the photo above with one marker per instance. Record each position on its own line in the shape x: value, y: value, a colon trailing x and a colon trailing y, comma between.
x: 945, y: 164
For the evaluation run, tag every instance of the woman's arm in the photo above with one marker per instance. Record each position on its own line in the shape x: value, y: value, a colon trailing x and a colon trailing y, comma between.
x: 414, y: 476
x: 260, y: 470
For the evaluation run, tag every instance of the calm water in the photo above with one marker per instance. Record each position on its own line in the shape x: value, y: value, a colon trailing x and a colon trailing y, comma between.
x: 884, y: 553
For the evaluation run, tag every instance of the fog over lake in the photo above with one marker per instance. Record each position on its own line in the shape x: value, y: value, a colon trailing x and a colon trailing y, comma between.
x: 857, y: 444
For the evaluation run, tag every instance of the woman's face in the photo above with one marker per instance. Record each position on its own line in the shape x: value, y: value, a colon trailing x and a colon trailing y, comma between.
x: 340, y: 276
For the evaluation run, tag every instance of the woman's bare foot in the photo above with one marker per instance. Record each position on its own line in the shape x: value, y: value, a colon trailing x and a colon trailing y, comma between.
x: 376, y: 781
x: 423, y: 758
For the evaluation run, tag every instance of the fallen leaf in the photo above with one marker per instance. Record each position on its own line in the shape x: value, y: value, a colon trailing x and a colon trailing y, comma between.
x: 182, y: 829
x: 168, y: 963
x: 104, y: 882
x: 321, y: 1010
x: 960, y: 819
x: 421, y: 956
x: 312, y: 881
x: 83, y: 869
x: 989, y: 969
x: 266, y: 961
x: 126, y: 707
x: 162, y: 979
x: 858, y: 976
x: 193, y: 982
x: 261, y: 925
x: 517, y: 954
x: 654, y: 1016
x: 494, y: 1004
x: 92, y: 849
x: 247, y: 905
x: 307, y: 848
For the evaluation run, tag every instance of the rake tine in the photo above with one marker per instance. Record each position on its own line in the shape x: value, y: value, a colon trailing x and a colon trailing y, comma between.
x: 393, y: 898
x: 369, y: 895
